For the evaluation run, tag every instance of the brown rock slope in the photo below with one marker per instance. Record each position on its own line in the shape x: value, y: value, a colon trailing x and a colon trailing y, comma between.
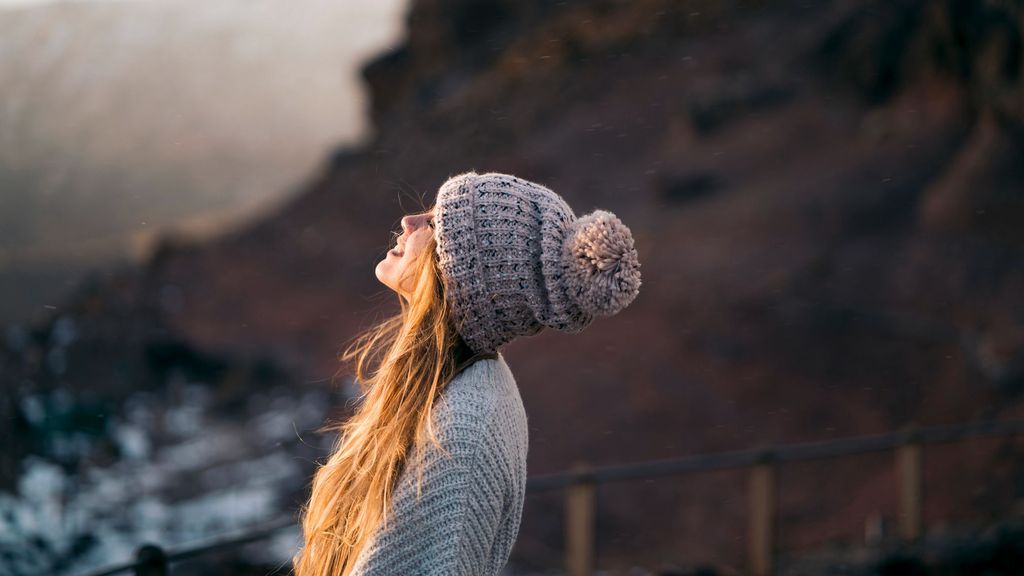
x: 828, y: 202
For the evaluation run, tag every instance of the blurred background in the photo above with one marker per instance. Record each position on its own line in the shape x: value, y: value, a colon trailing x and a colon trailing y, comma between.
x: 827, y: 199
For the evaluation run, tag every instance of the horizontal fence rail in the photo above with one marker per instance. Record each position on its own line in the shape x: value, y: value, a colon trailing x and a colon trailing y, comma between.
x: 580, y: 483
x: 151, y: 560
x: 787, y: 453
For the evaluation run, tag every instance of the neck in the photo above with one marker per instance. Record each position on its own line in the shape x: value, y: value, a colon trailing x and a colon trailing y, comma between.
x: 462, y: 351
x: 464, y: 355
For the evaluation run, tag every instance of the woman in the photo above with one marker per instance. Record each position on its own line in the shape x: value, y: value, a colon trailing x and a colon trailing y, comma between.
x: 429, y: 473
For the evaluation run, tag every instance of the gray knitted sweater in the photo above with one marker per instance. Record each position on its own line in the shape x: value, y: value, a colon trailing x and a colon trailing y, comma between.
x: 467, y: 516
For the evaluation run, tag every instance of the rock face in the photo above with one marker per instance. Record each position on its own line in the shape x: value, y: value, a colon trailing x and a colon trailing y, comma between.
x: 828, y: 204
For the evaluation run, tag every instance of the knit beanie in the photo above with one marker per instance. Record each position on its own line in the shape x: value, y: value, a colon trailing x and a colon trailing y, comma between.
x: 515, y: 259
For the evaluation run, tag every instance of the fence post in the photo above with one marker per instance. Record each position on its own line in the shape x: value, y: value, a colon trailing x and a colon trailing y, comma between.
x: 150, y: 560
x: 909, y: 466
x: 762, y: 516
x: 876, y: 529
x: 579, y: 524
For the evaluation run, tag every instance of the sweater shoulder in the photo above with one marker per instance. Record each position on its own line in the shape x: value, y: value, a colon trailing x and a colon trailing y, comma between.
x: 482, y: 386
x: 482, y: 400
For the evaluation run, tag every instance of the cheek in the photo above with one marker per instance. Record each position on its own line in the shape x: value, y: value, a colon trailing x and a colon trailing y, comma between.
x: 418, y: 243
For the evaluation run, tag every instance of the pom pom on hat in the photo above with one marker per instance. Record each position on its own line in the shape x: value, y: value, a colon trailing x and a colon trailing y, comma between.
x: 602, y: 270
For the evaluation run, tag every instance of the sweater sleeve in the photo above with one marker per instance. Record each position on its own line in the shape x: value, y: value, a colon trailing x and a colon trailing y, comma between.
x: 451, y: 526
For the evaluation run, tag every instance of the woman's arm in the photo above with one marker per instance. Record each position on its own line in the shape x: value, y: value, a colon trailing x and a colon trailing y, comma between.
x: 450, y: 527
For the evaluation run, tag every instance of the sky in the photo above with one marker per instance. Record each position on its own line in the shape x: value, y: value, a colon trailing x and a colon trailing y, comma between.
x: 121, y: 120
x: 21, y: 3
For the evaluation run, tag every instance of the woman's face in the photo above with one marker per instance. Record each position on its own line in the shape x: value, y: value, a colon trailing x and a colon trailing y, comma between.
x: 417, y: 229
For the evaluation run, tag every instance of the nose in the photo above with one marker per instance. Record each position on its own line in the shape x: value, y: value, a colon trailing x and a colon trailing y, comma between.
x: 413, y: 221
x: 407, y: 224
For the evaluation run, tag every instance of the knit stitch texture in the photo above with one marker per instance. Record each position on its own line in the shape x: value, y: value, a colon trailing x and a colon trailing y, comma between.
x: 515, y: 259
x: 467, y: 515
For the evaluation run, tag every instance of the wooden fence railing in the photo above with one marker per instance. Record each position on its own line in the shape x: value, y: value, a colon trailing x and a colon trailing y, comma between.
x: 580, y: 485
x: 907, y: 445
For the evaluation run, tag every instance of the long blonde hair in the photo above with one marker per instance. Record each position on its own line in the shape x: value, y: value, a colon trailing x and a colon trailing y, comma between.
x: 401, y: 365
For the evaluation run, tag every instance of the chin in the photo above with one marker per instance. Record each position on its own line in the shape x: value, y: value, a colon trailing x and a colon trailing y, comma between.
x: 381, y: 272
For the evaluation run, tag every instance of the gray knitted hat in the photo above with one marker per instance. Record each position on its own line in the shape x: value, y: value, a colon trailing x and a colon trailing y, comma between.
x: 515, y: 259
